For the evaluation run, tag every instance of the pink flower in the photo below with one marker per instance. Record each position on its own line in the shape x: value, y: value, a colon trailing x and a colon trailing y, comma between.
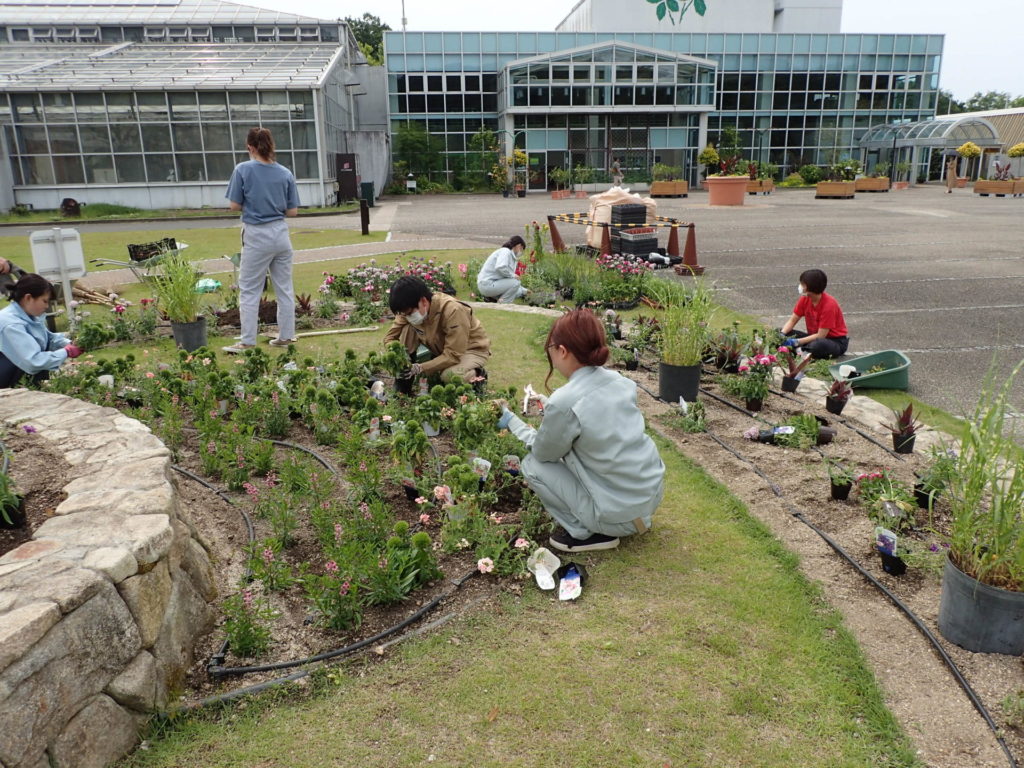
x: 424, y: 519
x: 247, y: 599
x: 485, y: 565
x: 386, y: 417
x: 743, y: 368
x: 338, y: 532
x: 150, y: 374
x: 268, y: 555
x: 331, y: 567
x: 422, y: 500
x: 522, y: 543
x: 343, y: 590
x: 463, y: 269
x: 442, y: 492
x: 29, y: 429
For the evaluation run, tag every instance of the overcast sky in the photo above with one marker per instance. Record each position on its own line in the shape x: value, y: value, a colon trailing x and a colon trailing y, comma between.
x: 982, y: 36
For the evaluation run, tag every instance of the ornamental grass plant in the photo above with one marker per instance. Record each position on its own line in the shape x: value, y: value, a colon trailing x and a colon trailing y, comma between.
x: 986, y: 493
x: 175, y: 286
x: 684, y: 323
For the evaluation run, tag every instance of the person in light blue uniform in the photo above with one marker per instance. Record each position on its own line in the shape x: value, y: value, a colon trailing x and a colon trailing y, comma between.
x: 497, y: 278
x: 27, y: 347
x: 594, y: 467
x: 265, y: 193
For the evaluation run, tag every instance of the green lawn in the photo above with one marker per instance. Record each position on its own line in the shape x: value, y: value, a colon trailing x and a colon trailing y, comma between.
x: 699, y: 644
x: 105, y: 212
x: 203, y: 243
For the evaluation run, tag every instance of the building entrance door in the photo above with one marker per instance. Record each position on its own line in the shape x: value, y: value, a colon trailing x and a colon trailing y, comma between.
x: 537, y: 171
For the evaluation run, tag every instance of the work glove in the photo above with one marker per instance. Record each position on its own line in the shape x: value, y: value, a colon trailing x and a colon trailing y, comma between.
x: 791, y: 343
x: 413, y: 370
x: 72, y: 350
x: 506, y: 417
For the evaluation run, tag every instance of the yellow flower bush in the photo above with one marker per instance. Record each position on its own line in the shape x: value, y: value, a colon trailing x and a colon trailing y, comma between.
x: 968, y: 149
x: 1017, y: 150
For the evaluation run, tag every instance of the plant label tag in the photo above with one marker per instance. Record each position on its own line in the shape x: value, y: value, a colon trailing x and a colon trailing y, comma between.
x: 570, y: 587
x: 512, y: 463
x: 423, y: 391
x: 482, y: 467
x: 429, y: 430
x: 885, y: 540
x: 787, y: 430
x: 373, y: 433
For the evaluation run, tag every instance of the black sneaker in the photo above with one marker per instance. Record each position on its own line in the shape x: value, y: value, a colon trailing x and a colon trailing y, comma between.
x: 563, y: 541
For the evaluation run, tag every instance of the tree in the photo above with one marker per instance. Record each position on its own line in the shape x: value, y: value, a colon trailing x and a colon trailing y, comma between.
x: 421, y: 152
x: 947, y: 105
x: 369, y: 33
x: 990, y: 100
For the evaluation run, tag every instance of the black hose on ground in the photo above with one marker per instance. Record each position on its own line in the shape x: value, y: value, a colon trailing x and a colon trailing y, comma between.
x: 327, y: 465
x: 929, y: 636
x: 225, y: 671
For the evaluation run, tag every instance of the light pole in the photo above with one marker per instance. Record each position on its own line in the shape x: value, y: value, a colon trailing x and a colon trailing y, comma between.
x: 514, y: 134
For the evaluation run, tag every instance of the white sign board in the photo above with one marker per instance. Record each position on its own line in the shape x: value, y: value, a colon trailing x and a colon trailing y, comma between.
x: 57, y: 254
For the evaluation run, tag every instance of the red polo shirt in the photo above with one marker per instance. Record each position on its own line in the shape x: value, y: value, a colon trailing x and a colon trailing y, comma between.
x: 826, y: 315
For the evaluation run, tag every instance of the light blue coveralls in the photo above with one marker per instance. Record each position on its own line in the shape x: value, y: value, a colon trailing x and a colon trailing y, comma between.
x: 27, y: 344
x: 497, y: 278
x: 591, y: 463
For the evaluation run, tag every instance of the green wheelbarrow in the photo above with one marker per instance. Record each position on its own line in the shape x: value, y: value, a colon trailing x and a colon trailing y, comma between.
x: 888, y: 369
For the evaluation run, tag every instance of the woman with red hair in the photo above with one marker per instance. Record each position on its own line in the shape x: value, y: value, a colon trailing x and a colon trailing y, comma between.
x: 591, y: 463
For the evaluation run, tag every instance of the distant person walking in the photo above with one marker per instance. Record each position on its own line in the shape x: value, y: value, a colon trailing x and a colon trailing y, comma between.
x: 265, y: 193
x: 950, y: 175
x: 616, y: 172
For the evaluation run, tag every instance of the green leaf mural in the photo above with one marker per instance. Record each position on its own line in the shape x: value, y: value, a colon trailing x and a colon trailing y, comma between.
x: 672, y: 7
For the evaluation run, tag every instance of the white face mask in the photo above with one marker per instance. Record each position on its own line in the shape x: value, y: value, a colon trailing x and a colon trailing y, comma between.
x: 415, y: 317
x: 800, y: 289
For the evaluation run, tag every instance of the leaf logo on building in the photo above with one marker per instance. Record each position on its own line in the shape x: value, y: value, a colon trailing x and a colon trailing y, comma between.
x: 680, y: 7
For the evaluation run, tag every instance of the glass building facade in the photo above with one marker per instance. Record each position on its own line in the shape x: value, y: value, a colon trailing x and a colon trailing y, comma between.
x: 572, y: 98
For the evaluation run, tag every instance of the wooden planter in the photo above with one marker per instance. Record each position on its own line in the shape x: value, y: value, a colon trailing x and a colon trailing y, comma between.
x: 726, y: 190
x: 872, y: 184
x: 836, y: 189
x: 760, y: 186
x: 1018, y: 186
x: 670, y: 189
x: 997, y: 188
x: 901, y: 185
x: 961, y: 182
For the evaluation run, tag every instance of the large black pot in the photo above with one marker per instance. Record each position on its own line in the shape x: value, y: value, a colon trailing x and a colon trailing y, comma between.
x: 978, y: 617
x: 834, y: 405
x: 190, y: 336
x: 675, y: 381
x: 903, y: 443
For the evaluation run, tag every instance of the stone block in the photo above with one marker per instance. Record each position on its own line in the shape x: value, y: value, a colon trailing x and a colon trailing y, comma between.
x: 146, y: 537
x: 99, y: 734
x: 155, y: 501
x: 126, y: 473
x: 32, y: 551
x: 188, y: 617
x: 147, y: 596
x: 136, y: 688
x: 22, y: 627
x: 42, y: 690
x: 65, y: 584
x: 116, y: 563
x: 196, y: 563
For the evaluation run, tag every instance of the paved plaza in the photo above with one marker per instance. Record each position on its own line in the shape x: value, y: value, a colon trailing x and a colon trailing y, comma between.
x: 938, y: 276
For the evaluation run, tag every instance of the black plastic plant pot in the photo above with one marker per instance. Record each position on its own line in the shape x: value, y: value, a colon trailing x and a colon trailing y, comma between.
x: 841, y: 492
x: 754, y: 403
x: 924, y: 498
x: 403, y: 386
x: 903, y: 443
x: 790, y: 383
x: 16, y: 512
x: 979, y: 617
x: 411, y: 492
x: 632, y: 365
x: 892, y: 565
x: 825, y: 435
x: 675, y: 381
x: 834, y: 405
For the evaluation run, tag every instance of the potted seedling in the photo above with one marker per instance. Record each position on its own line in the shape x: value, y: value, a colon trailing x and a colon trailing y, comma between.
x: 175, y: 287
x: 683, y: 337
x: 838, y: 396
x: 839, y: 477
x: 792, y: 368
x: 904, y: 429
x: 751, y: 382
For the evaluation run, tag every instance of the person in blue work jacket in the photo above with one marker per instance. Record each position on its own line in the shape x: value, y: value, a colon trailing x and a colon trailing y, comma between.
x: 497, y: 278
x: 27, y: 347
x: 591, y: 463
x: 265, y: 192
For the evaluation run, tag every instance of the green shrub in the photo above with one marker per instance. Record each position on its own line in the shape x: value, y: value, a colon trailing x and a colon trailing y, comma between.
x: 793, y: 180
x: 811, y: 174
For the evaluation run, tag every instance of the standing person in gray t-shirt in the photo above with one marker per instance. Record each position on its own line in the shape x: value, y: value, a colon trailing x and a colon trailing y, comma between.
x: 265, y: 193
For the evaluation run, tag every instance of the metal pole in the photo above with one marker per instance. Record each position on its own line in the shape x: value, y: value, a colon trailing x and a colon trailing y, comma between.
x: 65, y: 281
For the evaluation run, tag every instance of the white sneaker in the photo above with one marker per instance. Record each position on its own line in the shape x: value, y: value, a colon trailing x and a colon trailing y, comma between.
x: 283, y: 342
x: 237, y: 349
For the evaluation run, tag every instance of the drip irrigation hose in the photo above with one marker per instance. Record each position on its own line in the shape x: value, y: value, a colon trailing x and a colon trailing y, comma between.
x: 927, y: 633
x: 225, y: 671
x: 327, y: 465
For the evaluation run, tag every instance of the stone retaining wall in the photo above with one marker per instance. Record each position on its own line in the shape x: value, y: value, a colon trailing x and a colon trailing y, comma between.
x: 99, y: 613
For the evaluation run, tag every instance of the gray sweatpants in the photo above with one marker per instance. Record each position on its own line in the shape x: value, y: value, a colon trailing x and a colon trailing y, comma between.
x: 567, y: 501
x: 266, y: 247
x: 505, y: 291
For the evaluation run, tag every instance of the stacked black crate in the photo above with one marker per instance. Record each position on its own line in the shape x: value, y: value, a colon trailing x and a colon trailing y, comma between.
x: 628, y: 215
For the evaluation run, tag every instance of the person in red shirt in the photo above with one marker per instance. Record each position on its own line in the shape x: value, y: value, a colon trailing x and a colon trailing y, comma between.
x: 826, y: 335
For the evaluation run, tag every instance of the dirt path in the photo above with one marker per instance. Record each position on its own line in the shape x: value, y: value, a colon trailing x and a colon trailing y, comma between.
x: 918, y: 687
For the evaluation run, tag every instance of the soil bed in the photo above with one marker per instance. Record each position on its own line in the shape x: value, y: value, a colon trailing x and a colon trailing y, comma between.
x: 40, y: 473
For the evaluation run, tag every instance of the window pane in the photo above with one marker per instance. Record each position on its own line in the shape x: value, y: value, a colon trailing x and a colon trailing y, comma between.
x: 304, y: 135
x: 305, y: 165
x: 186, y: 136
x: 156, y: 138
x: 90, y: 108
x: 99, y: 169
x: 26, y: 108
x: 129, y: 168
x: 37, y: 170
x: 152, y: 106
x: 95, y: 138
x: 213, y: 106
x: 219, y: 166
x: 120, y: 108
x: 58, y: 108
x: 190, y: 167
x: 63, y: 140
x: 216, y: 136
x: 282, y: 140
x: 68, y: 169
x: 242, y: 107
x: 160, y: 168
x: 273, y: 105
x: 183, y: 106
